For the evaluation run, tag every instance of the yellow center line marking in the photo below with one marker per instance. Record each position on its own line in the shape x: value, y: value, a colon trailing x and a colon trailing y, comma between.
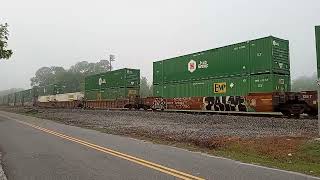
x: 136, y: 160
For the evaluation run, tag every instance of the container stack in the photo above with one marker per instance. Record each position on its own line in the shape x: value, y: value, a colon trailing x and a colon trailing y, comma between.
x: 51, y: 89
x: 260, y: 65
x: 118, y: 84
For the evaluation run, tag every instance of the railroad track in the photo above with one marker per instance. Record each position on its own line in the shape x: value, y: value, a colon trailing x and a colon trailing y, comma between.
x: 204, y: 112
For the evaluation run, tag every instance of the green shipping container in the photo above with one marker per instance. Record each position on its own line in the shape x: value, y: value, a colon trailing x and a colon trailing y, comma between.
x: 265, y: 55
x: 11, y: 99
x: 112, y: 93
x: 28, y: 95
x: 318, y: 49
x: 232, y: 86
x: 18, y: 98
x: 52, y: 89
x: 270, y: 83
x: 2, y: 100
x: 5, y: 100
x: 113, y: 79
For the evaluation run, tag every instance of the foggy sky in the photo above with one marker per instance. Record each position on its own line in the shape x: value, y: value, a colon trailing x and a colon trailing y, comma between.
x: 138, y: 32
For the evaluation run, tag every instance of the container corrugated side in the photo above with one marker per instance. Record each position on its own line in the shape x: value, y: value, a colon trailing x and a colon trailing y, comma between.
x: 232, y: 86
x: 214, y: 87
x: 18, y: 97
x: 51, y: 89
x: 269, y: 55
x: 158, y: 72
x: 113, y: 79
x: 27, y: 95
x: 270, y: 83
x: 264, y: 55
x: 112, y: 93
x: 214, y: 63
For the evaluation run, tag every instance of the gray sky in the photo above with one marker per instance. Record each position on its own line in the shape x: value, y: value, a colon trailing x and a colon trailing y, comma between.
x: 138, y: 32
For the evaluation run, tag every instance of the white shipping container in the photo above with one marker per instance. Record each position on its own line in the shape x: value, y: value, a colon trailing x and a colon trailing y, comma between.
x: 62, y: 97
x: 44, y: 98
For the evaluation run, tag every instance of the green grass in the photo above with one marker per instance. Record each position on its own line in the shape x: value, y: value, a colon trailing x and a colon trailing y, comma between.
x: 306, y: 160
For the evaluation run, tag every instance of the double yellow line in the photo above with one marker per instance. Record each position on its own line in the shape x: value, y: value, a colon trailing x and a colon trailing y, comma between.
x: 136, y: 160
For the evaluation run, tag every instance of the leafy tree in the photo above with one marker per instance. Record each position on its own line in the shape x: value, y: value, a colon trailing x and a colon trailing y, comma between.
x: 71, y: 79
x: 46, y: 76
x: 4, y: 33
x: 305, y: 83
x: 145, y: 88
x: 87, y: 68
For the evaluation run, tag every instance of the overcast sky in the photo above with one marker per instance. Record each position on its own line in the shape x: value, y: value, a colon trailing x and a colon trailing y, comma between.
x: 138, y: 32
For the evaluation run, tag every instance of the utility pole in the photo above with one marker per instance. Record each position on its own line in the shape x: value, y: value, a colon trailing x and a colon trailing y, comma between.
x: 111, y: 58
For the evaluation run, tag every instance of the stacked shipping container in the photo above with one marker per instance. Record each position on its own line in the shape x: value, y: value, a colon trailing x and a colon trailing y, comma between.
x: 260, y: 65
x: 21, y: 98
x: 52, y: 89
x: 118, y: 84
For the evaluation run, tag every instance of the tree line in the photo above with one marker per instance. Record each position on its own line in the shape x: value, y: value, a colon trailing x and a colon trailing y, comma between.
x: 72, y: 79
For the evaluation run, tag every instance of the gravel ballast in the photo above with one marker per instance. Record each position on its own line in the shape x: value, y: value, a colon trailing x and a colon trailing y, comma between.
x: 180, y: 125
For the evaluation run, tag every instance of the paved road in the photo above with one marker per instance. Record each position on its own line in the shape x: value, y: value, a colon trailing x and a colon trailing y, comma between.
x: 41, y: 149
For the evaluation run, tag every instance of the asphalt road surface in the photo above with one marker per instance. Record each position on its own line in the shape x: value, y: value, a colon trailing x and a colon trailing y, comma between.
x: 39, y: 149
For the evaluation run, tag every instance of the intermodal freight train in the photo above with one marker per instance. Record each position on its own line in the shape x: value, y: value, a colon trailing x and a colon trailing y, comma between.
x: 251, y: 76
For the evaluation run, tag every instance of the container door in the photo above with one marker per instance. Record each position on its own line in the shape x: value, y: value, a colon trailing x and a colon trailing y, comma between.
x: 158, y: 72
x: 132, y: 78
x: 260, y: 56
x: 280, y: 56
x: 281, y: 83
x: 270, y: 83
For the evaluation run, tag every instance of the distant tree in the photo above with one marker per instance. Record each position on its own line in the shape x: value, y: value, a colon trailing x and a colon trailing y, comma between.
x: 305, y: 83
x: 87, y: 68
x: 145, y: 89
x: 4, y: 34
x: 102, y: 66
x: 71, y: 79
x: 46, y: 76
x: 82, y: 67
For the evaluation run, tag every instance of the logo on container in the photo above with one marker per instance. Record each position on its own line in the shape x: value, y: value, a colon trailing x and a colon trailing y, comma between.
x: 192, y: 66
x: 220, y: 88
x: 101, y: 81
x: 203, y: 65
x: 275, y: 43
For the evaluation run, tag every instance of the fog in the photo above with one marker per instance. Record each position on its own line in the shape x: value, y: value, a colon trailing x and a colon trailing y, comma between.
x: 61, y: 33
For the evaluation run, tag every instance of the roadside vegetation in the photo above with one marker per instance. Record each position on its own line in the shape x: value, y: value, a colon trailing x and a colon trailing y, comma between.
x: 289, y: 153
x: 5, y: 53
